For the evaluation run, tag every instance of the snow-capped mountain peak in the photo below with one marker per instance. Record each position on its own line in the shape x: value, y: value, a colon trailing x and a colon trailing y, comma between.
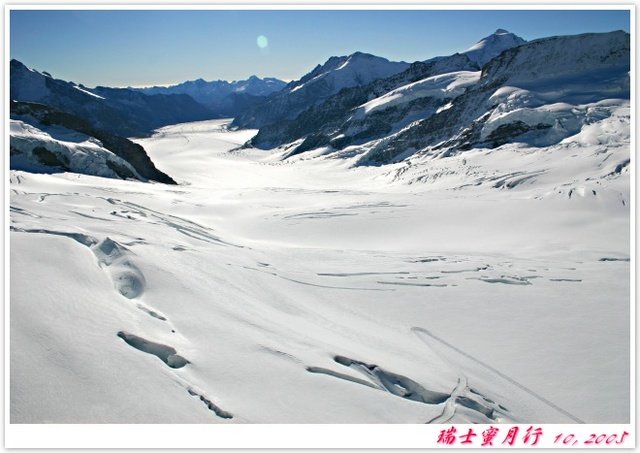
x: 492, y: 46
x: 350, y: 70
x: 322, y: 82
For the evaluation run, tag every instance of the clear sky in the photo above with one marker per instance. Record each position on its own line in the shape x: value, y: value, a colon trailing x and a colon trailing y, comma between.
x: 121, y: 48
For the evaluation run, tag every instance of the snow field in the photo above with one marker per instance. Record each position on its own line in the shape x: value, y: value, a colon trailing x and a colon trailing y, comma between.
x: 307, y: 291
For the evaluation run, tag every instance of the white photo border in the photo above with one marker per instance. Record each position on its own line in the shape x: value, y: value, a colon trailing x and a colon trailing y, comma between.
x: 298, y: 436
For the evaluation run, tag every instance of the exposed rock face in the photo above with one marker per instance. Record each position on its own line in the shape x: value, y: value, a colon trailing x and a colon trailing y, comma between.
x: 53, y: 151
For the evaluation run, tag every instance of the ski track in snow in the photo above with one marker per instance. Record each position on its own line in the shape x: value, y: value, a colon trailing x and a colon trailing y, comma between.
x: 420, y: 332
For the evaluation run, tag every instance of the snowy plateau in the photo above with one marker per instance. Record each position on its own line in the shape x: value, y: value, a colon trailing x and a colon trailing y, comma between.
x: 405, y: 277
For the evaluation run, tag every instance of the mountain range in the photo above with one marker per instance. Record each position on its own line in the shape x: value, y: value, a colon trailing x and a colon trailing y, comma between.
x: 323, y: 81
x: 502, y: 89
x: 359, y: 70
x: 224, y: 99
x: 117, y: 110
x: 537, y: 92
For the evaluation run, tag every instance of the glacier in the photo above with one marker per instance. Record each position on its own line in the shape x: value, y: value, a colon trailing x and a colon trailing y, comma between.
x: 311, y: 291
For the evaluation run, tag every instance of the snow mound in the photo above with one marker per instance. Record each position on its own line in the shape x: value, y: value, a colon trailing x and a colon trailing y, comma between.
x: 612, y: 131
x: 553, y: 121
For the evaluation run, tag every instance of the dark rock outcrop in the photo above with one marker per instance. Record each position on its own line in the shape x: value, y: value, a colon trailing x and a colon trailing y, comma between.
x: 131, y: 152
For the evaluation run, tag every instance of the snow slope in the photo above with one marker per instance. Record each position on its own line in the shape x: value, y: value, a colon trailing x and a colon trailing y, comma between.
x: 306, y: 291
x: 441, y: 86
x: 559, y: 58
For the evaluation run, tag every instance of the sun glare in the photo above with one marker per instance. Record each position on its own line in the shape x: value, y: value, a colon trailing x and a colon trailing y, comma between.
x: 262, y: 41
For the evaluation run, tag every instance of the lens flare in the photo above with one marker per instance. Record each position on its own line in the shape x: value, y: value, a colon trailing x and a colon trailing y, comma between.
x: 262, y: 41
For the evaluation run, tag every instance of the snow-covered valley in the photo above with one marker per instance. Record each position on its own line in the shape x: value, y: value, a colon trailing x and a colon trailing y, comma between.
x: 491, y: 286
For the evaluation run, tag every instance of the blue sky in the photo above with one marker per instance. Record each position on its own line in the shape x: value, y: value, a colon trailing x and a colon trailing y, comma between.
x: 121, y: 48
